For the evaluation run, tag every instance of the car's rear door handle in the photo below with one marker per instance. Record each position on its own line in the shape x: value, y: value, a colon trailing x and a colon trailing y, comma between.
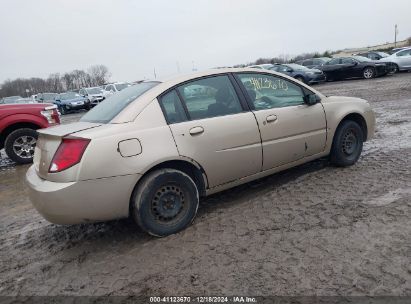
x: 271, y: 118
x: 196, y: 130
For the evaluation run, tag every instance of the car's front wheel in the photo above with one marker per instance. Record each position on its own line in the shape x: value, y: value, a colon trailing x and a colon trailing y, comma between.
x: 347, y: 144
x: 299, y: 78
x: 395, y: 68
x: 165, y: 202
x: 368, y: 73
x: 63, y: 110
x: 20, y: 144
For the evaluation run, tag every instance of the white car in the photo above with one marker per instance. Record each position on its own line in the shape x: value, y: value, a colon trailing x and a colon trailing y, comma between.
x: 94, y: 95
x: 401, y: 59
x: 113, y: 88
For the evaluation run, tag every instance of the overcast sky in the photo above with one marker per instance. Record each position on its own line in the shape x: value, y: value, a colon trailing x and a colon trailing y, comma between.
x: 133, y: 37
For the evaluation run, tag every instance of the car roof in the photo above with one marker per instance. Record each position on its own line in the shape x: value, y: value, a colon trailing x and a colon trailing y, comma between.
x: 134, y: 108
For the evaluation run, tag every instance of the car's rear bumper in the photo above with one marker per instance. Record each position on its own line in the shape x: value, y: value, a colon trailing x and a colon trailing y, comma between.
x: 81, y: 201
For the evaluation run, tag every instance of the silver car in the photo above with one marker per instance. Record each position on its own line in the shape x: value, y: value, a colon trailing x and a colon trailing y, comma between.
x: 153, y: 149
x: 400, y: 59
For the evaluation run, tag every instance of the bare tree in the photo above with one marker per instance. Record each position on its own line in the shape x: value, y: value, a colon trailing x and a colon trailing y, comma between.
x: 99, y: 74
x: 96, y: 75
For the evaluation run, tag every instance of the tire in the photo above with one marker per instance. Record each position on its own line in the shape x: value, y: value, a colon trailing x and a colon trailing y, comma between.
x: 19, y: 145
x: 396, y: 68
x: 165, y: 202
x: 299, y: 78
x: 347, y: 144
x: 368, y: 73
x: 63, y: 110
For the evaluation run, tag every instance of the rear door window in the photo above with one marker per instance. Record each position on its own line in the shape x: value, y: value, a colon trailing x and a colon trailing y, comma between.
x: 210, y: 97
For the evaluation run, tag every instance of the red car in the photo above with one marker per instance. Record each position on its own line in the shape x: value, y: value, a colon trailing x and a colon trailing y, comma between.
x: 18, y: 125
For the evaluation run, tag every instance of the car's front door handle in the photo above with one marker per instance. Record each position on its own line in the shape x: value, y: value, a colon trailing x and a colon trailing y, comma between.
x: 196, y: 130
x: 271, y: 118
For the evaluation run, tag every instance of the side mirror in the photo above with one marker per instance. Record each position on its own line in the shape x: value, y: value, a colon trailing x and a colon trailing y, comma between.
x: 354, y: 63
x: 311, y: 99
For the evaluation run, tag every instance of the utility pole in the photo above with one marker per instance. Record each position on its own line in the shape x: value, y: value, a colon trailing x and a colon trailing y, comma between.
x: 395, y: 39
x: 155, y: 75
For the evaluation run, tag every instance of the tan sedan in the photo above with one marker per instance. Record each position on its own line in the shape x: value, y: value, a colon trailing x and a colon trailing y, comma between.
x: 152, y: 150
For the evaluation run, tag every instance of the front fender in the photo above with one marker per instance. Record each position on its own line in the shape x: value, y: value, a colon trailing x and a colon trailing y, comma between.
x: 338, y: 108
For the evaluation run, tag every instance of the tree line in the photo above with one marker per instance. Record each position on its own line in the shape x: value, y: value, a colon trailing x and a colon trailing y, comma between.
x: 285, y: 59
x: 96, y: 75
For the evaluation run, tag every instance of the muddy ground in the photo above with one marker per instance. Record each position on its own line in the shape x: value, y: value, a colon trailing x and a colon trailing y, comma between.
x: 311, y: 230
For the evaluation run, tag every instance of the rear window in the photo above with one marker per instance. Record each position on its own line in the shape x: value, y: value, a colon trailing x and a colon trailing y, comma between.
x: 109, y: 108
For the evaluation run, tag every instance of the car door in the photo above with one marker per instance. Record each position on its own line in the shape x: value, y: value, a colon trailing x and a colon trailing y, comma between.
x: 332, y: 69
x: 211, y: 125
x: 350, y: 68
x: 404, y: 59
x: 290, y: 129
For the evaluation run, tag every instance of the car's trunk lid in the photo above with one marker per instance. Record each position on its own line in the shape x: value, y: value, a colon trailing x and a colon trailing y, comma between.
x: 48, y: 142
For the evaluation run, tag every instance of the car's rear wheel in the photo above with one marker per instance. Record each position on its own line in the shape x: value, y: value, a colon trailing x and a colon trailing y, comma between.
x: 165, y: 202
x: 368, y: 73
x: 347, y: 144
x: 20, y: 144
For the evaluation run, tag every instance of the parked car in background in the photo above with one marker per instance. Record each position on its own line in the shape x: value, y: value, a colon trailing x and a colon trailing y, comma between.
x: 313, y: 63
x: 10, y: 99
x: 395, y: 50
x: 373, y: 55
x: 113, y: 88
x: 151, y: 151
x: 24, y: 100
x: 71, y: 101
x: 46, y: 97
x: 354, y: 67
x: 400, y: 60
x: 95, y: 95
x: 300, y: 72
x: 264, y: 66
x: 18, y: 125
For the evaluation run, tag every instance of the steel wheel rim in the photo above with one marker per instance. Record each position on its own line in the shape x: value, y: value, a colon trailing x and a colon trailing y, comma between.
x: 368, y: 73
x: 349, y: 143
x: 168, y: 204
x: 24, y: 146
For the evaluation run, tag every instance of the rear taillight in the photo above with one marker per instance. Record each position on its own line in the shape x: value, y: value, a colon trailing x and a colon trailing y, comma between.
x: 51, y: 114
x: 68, y: 154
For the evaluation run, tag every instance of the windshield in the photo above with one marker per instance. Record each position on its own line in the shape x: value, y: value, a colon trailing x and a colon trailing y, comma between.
x: 94, y: 91
x: 382, y: 54
x: 361, y: 58
x: 48, y: 96
x: 298, y: 67
x: 69, y: 95
x: 122, y: 86
x: 113, y: 105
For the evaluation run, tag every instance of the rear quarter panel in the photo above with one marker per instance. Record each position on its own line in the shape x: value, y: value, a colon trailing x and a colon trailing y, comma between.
x: 103, y: 159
